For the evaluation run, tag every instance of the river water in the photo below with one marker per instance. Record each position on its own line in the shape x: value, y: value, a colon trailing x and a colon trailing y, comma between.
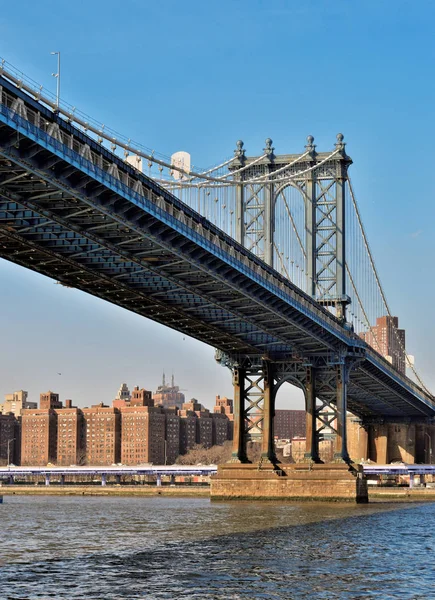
x: 126, y: 548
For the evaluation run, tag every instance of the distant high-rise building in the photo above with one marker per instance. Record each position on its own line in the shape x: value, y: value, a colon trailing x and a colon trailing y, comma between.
x: 187, y: 430
x: 15, y: 402
x: 123, y: 393
x: 38, y: 436
x: 387, y: 339
x: 70, y: 436
x: 142, y: 435
x: 224, y: 406
x: 172, y: 435
x: 102, y: 428
x: 8, y: 437
x: 168, y: 395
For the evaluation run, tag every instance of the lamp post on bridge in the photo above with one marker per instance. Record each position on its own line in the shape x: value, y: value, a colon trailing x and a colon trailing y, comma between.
x: 57, y: 76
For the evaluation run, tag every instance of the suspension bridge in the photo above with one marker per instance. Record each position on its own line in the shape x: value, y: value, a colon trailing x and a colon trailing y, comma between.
x: 263, y: 257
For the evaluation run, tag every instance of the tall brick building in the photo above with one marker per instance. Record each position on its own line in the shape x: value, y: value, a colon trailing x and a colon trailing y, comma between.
x: 288, y: 424
x: 172, y: 435
x: 70, y: 436
x: 387, y: 339
x: 8, y: 437
x: 224, y: 406
x: 38, y: 436
x: 142, y: 435
x: 102, y: 425
x: 132, y: 431
x: 187, y: 430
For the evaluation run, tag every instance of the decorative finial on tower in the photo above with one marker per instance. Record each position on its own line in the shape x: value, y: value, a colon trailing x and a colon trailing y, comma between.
x: 340, y: 145
x: 268, y: 150
x: 310, y: 147
x: 163, y: 381
x: 239, y: 152
x: 172, y: 381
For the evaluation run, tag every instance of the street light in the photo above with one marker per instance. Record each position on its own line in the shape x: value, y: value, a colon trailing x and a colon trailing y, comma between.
x: 9, y: 449
x: 430, y: 447
x: 57, y: 75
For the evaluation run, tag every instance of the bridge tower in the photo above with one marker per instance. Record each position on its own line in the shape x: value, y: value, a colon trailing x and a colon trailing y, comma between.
x: 319, y: 181
x: 320, y: 178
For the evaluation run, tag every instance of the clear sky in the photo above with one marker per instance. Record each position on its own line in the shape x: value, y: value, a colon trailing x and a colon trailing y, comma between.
x: 197, y: 76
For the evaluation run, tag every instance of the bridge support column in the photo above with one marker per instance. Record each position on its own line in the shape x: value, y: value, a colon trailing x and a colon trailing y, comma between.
x: 402, y: 444
x: 62, y: 479
x: 363, y: 442
x: 239, y: 437
x: 421, y: 444
x: 268, y: 442
x: 357, y: 439
x: 341, y: 453
x: 118, y: 479
x: 312, y: 439
x: 11, y: 480
x: 159, y: 480
x: 47, y: 479
x: 378, y: 443
x: 104, y: 479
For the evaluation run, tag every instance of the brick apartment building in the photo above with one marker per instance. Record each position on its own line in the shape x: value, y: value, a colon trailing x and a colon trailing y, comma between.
x: 224, y: 406
x: 8, y: 437
x: 172, y: 435
x: 102, y: 439
x: 142, y: 435
x: 38, y: 436
x: 131, y: 431
x: 288, y: 424
x: 70, y: 436
x: 387, y: 339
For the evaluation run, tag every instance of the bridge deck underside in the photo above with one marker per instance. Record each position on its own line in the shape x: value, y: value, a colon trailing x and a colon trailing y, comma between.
x: 61, y: 221
x: 56, y: 233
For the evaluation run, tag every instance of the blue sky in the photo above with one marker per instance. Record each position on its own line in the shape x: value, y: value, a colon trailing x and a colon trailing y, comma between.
x: 198, y: 76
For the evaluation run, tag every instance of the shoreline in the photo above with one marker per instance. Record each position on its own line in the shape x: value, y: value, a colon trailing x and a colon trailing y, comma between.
x: 375, y: 495
x: 125, y: 490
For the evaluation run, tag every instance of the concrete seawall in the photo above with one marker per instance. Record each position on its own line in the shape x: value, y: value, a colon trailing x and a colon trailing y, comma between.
x: 124, y: 490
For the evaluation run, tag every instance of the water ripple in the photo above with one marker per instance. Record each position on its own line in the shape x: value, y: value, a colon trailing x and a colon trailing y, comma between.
x: 166, y: 548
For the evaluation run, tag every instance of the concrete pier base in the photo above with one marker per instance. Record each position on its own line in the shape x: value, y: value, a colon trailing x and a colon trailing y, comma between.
x: 300, y: 482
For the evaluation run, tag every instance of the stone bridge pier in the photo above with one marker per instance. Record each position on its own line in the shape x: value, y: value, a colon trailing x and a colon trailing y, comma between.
x: 324, y: 384
x: 400, y: 441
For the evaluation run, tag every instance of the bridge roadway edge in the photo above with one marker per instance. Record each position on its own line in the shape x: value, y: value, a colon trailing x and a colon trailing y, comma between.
x: 306, y: 482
